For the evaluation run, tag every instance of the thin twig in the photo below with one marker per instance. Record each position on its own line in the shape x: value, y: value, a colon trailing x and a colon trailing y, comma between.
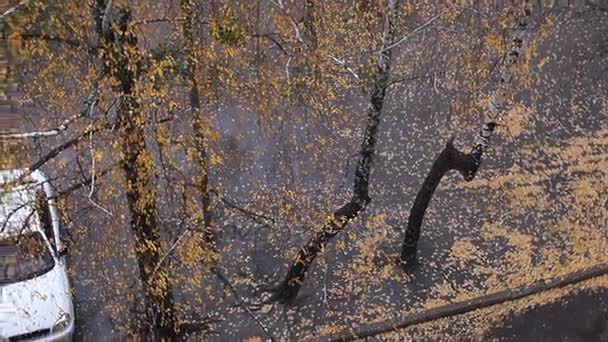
x: 404, y: 79
x: 287, y: 75
x: 50, y: 38
x: 92, y: 189
x: 162, y: 20
x: 272, y: 39
x: 92, y: 149
x: 11, y: 213
x: 240, y: 302
x: 342, y: 63
x: 281, y: 7
x: 98, y: 206
x: 418, y: 29
x: 85, y: 182
x: 325, y: 302
x: 255, y: 216
x: 40, y: 134
x: 106, y: 20
x: 57, y: 150
x: 26, y: 222
x: 169, y: 251
x: 54, y: 152
x: 13, y: 9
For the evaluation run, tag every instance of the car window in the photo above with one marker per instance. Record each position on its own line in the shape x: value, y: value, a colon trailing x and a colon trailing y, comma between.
x: 46, y: 222
x: 24, y: 257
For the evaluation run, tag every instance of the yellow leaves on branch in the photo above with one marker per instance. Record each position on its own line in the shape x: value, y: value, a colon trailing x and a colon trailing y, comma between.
x: 545, y: 28
x: 191, y: 252
x: 147, y: 246
x: 226, y: 28
x: 160, y: 283
x: 216, y: 159
x: 495, y: 43
x: 12, y: 154
x: 542, y: 63
x: 341, y: 245
x: 160, y: 68
x: 286, y: 209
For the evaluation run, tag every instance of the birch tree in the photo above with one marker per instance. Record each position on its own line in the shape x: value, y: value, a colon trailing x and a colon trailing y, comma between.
x: 467, y: 163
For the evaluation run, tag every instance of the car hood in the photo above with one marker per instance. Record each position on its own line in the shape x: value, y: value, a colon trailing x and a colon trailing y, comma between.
x: 36, y: 303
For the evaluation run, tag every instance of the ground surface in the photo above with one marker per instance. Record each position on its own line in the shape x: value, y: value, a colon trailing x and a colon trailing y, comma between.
x: 536, y: 210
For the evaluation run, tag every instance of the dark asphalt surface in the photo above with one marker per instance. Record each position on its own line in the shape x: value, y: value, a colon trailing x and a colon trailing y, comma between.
x: 412, y: 132
x: 578, y: 318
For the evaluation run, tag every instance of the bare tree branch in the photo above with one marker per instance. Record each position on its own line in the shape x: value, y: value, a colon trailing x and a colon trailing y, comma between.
x: 272, y: 39
x: 169, y: 251
x: 85, y: 182
x: 281, y: 7
x: 11, y: 213
x: 50, y: 38
x: 162, y: 20
x: 287, y: 74
x: 342, y: 63
x: 255, y: 216
x: 240, y: 302
x: 411, y: 33
x: 86, y: 111
x: 106, y: 20
x: 92, y: 187
x: 57, y: 150
x: 12, y: 10
x: 50, y: 133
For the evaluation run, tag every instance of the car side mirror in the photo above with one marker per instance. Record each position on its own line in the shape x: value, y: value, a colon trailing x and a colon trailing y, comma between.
x: 63, y: 251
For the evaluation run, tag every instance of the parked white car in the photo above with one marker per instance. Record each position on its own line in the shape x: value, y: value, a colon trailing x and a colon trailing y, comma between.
x: 35, y: 293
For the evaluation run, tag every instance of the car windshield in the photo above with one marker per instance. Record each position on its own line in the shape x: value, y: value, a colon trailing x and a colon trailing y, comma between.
x: 24, y: 257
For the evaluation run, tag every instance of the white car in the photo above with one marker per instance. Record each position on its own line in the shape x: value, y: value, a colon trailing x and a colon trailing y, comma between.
x: 35, y: 293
